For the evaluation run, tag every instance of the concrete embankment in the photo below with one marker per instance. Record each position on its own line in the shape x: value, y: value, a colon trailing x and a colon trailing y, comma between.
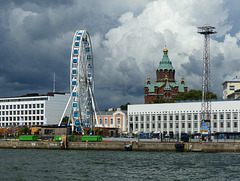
x: 120, y: 145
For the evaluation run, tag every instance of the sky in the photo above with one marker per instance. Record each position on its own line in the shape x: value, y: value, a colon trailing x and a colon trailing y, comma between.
x: 128, y: 38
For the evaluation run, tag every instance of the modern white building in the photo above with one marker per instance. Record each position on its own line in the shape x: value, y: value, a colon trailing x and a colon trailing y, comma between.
x: 33, y: 110
x: 176, y: 118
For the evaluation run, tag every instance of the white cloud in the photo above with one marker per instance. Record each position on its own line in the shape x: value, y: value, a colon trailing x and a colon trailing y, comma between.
x: 175, y: 23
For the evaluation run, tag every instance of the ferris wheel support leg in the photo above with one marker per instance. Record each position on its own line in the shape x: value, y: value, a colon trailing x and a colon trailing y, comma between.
x: 64, y: 111
x: 93, y: 105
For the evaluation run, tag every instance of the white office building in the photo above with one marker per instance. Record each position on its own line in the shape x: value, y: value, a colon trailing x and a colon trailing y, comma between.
x: 32, y: 110
x: 177, y: 118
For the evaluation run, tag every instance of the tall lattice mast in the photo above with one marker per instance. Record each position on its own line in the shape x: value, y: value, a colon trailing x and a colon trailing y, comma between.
x: 206, y: 76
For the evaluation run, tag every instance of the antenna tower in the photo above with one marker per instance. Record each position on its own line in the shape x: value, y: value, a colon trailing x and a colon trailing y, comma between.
x: 54, y: 82
x: 206, y: 78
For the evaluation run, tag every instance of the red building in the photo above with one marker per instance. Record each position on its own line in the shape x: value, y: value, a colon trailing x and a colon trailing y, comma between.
x: 165, y: 87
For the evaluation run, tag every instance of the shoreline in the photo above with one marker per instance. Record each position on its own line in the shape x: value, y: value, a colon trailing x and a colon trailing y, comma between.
x: 120, y: 146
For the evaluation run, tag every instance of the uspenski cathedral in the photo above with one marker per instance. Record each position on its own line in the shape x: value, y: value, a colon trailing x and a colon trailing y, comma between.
x: 165, y: 87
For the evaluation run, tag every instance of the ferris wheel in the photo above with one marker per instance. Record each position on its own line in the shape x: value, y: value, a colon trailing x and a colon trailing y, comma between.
x: 82, y: 82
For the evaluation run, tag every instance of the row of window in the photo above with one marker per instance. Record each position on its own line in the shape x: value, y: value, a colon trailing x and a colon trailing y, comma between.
x: 189, y: 125
x: 19, y: 124
x: 25, y: 118
x: 22, y: 106
x: 111, y: 121
x: 189, y: 117
x: 22, y: 112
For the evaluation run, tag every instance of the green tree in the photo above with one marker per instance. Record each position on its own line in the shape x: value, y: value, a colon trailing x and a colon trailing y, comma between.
x: 24, y: 130
x: 124, y: 107
x: 193, y: 95
x: 65, y: 119
x: 160, y: 101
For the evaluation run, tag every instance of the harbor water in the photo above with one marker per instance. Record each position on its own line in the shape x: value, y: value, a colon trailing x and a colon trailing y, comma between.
x: 36, y: 164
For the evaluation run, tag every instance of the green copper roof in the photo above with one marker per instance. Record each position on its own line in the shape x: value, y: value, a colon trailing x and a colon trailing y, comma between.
x: 165, y: 63
x: 167, y: 87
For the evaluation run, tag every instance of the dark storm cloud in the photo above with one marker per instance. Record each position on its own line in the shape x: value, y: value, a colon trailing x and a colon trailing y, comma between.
x: 127, y: 40
x: 194, y: 66
x: 36, y: 38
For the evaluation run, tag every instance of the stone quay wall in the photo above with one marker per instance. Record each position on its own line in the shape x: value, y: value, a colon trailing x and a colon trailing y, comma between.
x: 121, y: 146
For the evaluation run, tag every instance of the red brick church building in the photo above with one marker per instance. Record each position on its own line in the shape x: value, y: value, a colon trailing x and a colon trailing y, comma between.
x: 165, y: 87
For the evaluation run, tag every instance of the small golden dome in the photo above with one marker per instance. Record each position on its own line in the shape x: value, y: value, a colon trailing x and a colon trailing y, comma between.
x: 165, y: 49
x: 182, y: 77
x: 148, y: 77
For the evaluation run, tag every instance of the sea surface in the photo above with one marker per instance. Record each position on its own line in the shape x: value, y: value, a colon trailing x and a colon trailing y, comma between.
x: 36, y: 164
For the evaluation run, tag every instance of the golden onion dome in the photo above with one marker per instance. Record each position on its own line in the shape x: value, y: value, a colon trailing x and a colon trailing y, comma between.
x: 165, y: 49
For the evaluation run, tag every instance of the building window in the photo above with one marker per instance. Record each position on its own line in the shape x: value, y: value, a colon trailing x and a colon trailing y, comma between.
x: 228, y: 124
x: 235, y: 124
x: 30, y: 106
x: 42, y: 105
x: 118, y: 121
x: 221, y: 116
x: 153, y: 125
x: 171, y: 125
x: 221, y: 125
x: 215, y: 116
x: 235, y: 116
x: 183, y: 125
x: 137, y: 118
x: 215, y: 125
x: 228, y: 116
x: 177, y: 125
x: 147, y: 125
x: 153, y: 118
x: 141, y: 118
x: 141, y: 125
x: 111, y: 120
x: 10, y: 106
x: 195, y: 125
x: 165, y: 125
x: 189, y: 125
x: 34, y: 105
x: 165, y: 118
x: 171, y: 117
x: 183, y: 117
x: 26, y: 106
x: 106, y: 121
x: 177, y: 117
x: 189, y: 117
x: 38, y: 105
x: 147, y: 118
x: 159, y: 118
x: 136, y: 126
x: 231, y: 87
x: 22, y: 106
x: 195, y: 117
x: 159, y: 125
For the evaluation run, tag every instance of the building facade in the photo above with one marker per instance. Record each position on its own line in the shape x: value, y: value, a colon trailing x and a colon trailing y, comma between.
x: 165, y: 87
x: 32, y: 110
x: 231, y: 89
x: 177, y: 118
x: 113, y: 119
